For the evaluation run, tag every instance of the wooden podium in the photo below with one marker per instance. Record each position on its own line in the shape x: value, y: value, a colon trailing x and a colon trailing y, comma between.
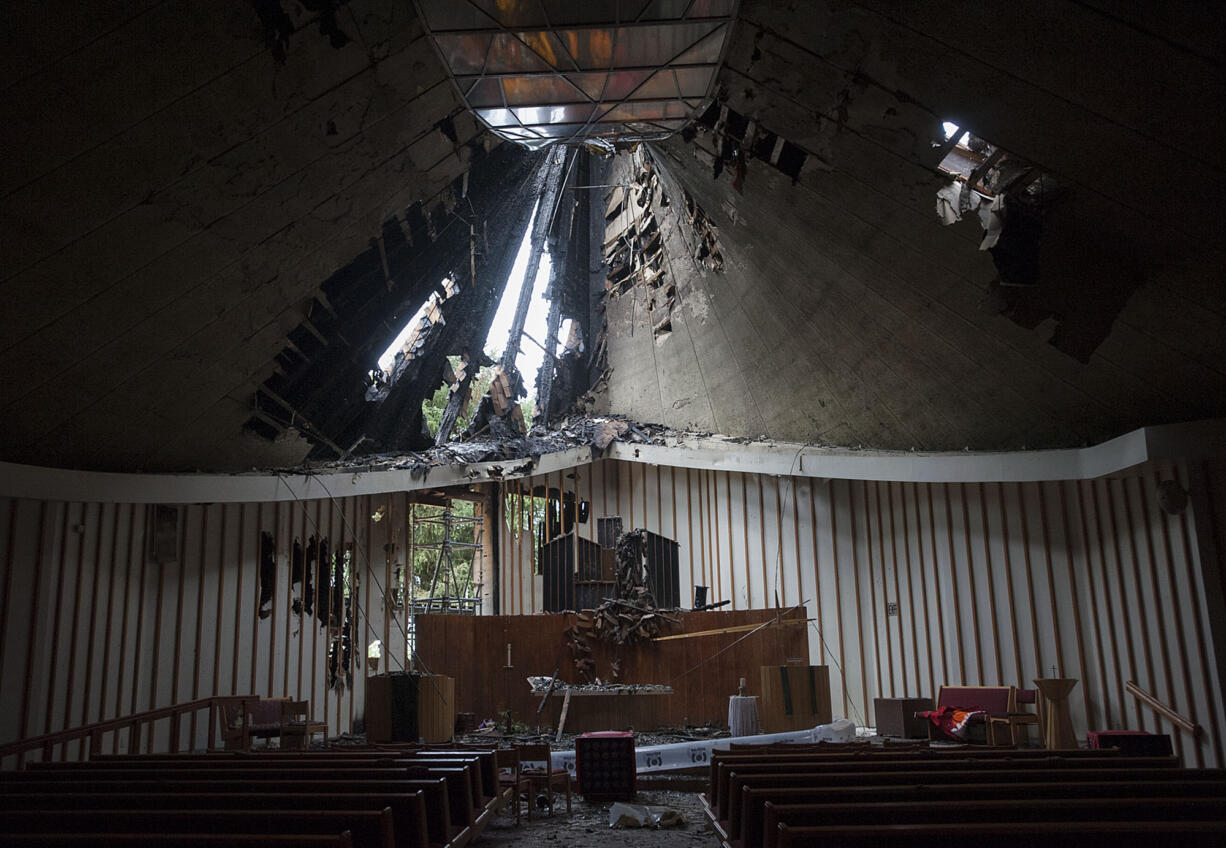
x: 1058, y: 723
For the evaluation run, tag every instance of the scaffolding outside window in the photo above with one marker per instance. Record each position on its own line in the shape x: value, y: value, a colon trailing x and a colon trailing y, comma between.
x: 542, y: 72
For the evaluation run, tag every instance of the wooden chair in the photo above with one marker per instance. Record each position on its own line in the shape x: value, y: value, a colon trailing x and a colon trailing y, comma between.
x: 1015, y: 721
x: 536, y: 776
x: 234, y: 719
x: 510, y: 782
x: 296, y: 727
x: 263, y: 720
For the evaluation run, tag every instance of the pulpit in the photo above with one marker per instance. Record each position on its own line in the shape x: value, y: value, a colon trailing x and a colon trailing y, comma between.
x: 1058, y: 722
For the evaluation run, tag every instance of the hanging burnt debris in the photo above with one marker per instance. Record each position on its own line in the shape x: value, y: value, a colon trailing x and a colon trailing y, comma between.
x: 321, y: 584
x: 706, y: 247
x: 637, y: 222
x: 634, y: 248
x: 268, y: 573
x: 499, y: 413
x: 736, y: 138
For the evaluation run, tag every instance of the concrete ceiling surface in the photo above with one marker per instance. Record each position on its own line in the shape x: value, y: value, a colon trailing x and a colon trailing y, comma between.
x: 846, y: 314
x: 180, y: 179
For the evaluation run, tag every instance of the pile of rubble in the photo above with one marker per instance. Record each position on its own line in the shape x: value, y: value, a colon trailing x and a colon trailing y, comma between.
x: 630, y: 617
x: 521, y: 450
x: 547, y: 685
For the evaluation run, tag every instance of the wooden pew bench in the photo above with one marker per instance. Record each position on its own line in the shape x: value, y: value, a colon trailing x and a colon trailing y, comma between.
x: 454, y: 795
x: 368, y: 828
x: 484, y: 758
x: 933, y: 765
x: 439, y: 827
x: 937, y: 778
x: 1017, y: 811
x: 753, y: 800
x: 722, y: 758
x: 1047, y: 834
x: 408, y: 809
x: 298, y: 762
x: 173, y: 840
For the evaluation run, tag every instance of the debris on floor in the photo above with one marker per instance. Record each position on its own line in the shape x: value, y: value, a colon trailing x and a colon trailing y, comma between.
x: 588, y: 825
x: 623, y: 815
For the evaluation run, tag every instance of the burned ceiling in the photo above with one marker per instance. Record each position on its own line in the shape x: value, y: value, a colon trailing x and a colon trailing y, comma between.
x: 217, y: 216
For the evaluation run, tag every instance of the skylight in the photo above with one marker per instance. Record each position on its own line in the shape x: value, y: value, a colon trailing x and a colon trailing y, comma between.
x: 414, y: 333
x: 530, y: 356
x: 540, y: 72
x: 950, y: 129
x: 389, y: 356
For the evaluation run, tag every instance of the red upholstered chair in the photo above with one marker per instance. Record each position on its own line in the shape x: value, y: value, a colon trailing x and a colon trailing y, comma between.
x: 992, y: 700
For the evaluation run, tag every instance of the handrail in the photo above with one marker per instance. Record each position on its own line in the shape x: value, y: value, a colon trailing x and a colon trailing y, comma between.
x: 93, y: 732
x: 1182, y: 722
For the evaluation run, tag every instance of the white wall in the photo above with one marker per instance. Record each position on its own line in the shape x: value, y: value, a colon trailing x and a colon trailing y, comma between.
x: 994, y: 582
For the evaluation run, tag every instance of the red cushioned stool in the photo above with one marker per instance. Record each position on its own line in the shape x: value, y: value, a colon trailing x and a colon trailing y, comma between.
x: 604, y: 764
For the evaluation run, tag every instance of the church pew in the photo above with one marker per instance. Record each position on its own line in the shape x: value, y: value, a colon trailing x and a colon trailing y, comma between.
x: 439, y: 826
x: 408, y: 810
x: 300, y: 761
x: 869, y: 766
x: 1197, y: 834
x: 459, y: 784
x: 876, y: 755
x: 958, y: 810
x: 484, y: 758
x: 754, y: 800
x: 174, y: 840
x: 937, y: 778
x: 368, y: 828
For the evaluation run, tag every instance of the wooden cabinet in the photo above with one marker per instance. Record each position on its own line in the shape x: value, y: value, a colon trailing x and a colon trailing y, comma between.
x: 794, y: 697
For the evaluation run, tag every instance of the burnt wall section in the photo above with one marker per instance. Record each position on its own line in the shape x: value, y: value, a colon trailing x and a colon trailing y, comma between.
x: 847, y: 314
x: 322, y: 383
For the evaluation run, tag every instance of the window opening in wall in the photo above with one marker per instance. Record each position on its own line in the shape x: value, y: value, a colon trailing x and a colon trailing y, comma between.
x: 163, y: 536
x: 340, y: 619
x: 445, y: 556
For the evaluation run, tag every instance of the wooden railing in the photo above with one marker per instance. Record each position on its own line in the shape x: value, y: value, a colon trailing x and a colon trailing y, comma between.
x: 1181, y: 721
x: 136, y: 725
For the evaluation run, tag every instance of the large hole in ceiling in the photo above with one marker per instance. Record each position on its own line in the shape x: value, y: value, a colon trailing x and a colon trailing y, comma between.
x: 604, y: 72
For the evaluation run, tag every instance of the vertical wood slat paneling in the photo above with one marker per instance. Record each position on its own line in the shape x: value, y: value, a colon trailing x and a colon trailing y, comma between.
x: 936, y: 586
x: 57, y: 598
x: 119, y: 680
x: 1210, y: 690
x: 985, y: 577
x: 1121, y: 619
x: 1074, y: 599
x: 1172, y: 596
x: 1134, y: 607
x: 1095, y: 633
x: 95, y: 628
x: 994, y: 582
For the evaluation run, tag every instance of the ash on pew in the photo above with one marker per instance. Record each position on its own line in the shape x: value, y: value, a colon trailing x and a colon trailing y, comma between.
x: 639, y: 815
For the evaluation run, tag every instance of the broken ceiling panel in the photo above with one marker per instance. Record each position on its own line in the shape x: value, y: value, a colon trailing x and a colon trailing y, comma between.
x: 540, y: 72
x: 454, y: 259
